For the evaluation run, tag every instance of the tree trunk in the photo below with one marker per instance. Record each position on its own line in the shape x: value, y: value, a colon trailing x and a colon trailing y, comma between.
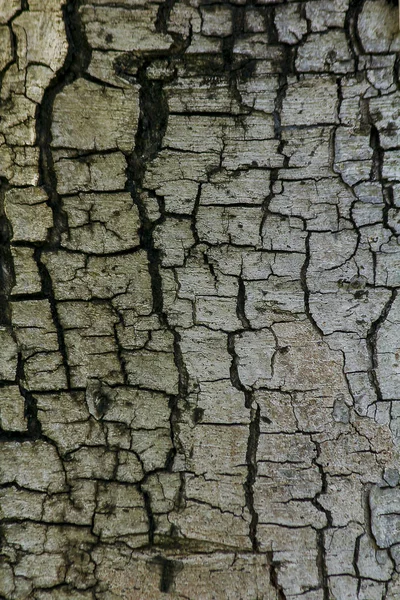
x: 199, y: 342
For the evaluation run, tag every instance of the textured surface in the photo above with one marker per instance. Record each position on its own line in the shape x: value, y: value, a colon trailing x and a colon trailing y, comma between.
x: 199, y: 318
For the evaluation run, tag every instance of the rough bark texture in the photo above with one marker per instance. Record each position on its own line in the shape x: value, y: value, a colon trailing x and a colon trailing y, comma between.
x: 199, y: 342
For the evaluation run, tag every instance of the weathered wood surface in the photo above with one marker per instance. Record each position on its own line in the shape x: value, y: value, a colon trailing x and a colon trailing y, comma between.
x: 200, y: 324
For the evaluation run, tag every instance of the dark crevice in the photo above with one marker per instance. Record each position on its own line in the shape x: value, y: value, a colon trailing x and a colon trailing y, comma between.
x: 274, y: 175
x: 150, y: 515
x: 376, y: 173
x: 234, y: 374
x: 194, y: 220
x: 321, y: 556
x: 371, y: 340
x: 273, y: 577
x: 304, y: 285
x: 30, y: 408
x: 377, y: 156
x: 241, y: 305
x: 14, y: 42
x: 169, y: 569
x: 181, y: 367
x: 287, y: 69
x: 47, y: 288
x: 152, y: 124
x: 321, y: 564
x: 251, y: 460
x: 355, y: 562
x: 163, y: 15
x: 7, y: 275
x: 228, y: 42
x: 76, y: 62
x: 252, y: 444
x: 351, y: 30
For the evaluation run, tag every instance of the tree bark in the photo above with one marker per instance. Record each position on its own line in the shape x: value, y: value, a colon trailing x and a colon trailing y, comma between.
x: 199, y: 341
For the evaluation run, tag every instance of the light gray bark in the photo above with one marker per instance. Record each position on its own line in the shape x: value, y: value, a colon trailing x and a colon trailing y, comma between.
x: 199, y: 342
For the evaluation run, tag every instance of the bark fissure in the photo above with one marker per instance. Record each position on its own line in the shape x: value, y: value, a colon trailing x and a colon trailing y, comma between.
x: 199, y: 220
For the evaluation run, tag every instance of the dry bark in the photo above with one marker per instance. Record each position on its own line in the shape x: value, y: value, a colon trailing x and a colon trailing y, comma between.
x: 199, y: 341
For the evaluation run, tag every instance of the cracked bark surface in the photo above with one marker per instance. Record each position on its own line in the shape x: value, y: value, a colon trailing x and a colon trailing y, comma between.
x: 199, y: 337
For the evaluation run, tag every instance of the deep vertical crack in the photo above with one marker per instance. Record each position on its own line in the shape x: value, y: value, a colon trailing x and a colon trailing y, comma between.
x: 152, y: 125
x: 304, y: 286
x: 273, y: 577
x: 75, y: 64
x: 169, y: 570
x: 47, y: 289
x: 251, y: 460
x: 355, y: 561
x: 371, y: 340
x: 14, y: 42
x: 7, y: 275
x: 241, y: 304
x: 252, y: 443
x: 321, y: 556
x: 351, y: 31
